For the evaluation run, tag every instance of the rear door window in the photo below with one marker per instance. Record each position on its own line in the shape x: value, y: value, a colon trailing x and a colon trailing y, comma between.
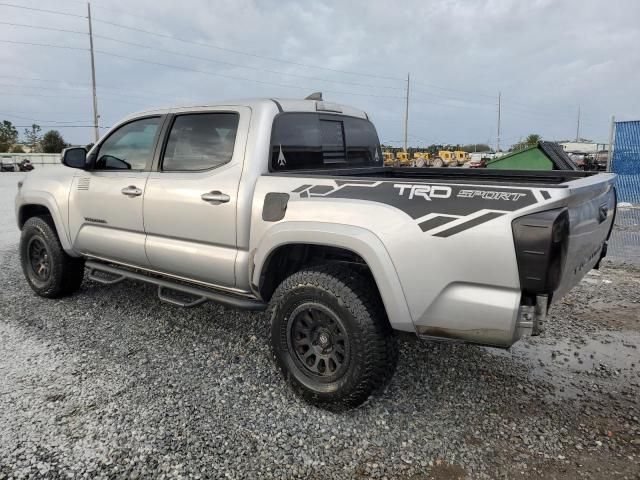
x: 317, y: 141
x: 200, y: 141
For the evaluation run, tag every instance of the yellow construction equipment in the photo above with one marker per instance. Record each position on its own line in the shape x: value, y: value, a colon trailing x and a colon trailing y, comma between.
x: 445, y: 158
x: 462, y: 157
x: 403, y: 159
x: 421, y: 159
x: 389, y: 160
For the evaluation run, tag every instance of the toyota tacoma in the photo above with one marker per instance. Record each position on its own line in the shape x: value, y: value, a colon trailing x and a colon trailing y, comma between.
x: 286, y: 206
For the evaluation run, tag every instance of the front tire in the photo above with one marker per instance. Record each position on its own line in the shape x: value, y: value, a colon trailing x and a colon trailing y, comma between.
x: 49, y: 271
x: 330, y: 337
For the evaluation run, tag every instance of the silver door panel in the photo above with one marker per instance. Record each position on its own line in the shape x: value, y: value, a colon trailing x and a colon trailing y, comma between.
x: 118, y: 245
x: 105, y: 221
x: 190, y: 217
x: 196, y: 261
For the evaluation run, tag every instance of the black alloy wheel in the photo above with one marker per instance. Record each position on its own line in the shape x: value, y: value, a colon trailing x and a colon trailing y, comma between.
x: 319, y: 340
x: 39, y: 259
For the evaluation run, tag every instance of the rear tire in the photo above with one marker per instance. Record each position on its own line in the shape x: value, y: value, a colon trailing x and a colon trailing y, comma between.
x: 49, y: 271
x: 330, y: 336
x: 438, y: 163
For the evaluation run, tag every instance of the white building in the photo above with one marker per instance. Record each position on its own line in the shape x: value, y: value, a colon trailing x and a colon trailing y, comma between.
x: 581, y: 147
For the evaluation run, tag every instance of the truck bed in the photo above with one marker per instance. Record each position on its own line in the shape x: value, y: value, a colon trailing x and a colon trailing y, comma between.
x: 552, y: 178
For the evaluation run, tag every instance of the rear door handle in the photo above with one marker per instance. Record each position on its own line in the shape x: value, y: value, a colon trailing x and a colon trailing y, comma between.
x: 131, y: 191
x: 215, y: 197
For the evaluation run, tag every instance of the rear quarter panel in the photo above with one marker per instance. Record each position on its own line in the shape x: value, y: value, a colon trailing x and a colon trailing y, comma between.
x: 452, y: 252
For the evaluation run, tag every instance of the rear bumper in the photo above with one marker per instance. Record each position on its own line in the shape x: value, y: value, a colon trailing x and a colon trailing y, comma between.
x: 474, y: 313
x: 483, y: 315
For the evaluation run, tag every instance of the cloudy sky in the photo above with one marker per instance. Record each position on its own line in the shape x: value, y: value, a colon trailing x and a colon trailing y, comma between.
x: 547, y: 57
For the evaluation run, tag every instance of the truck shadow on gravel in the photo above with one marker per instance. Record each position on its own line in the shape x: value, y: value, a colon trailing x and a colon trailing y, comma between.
x: 134, y: 374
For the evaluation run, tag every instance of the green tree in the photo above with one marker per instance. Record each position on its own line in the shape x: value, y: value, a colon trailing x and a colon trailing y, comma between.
x: 8, y: 135
x: 476, y: 147
x: 531, y: 140
x: 32, y: 136
x: 89, y: 146
x: 52, y: 142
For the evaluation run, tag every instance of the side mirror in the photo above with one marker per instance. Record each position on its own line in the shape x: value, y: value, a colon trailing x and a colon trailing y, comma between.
x: 75, y: 157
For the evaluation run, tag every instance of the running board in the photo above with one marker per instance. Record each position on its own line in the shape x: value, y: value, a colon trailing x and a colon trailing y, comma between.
x: 201, y: 295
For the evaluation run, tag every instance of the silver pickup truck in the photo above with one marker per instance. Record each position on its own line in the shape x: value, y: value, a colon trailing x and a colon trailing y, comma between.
x: 285, y: 205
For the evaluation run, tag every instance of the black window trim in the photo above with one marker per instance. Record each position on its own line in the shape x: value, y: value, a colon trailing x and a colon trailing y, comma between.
x: 327, y: 116
x: 171, y: 118
x: 94, y: 156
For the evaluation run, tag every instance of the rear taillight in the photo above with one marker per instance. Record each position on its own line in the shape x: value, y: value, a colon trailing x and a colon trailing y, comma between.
x: 541, y: 248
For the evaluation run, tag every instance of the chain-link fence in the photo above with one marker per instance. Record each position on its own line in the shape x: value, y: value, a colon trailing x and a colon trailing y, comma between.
x: 625, y: 239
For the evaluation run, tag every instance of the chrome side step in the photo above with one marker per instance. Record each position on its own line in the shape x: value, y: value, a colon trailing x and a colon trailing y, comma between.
x: 200, y: 295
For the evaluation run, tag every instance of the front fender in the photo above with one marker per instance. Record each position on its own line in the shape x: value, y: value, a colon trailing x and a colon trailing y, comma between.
x: 46, y: 199
x: 358, y: 240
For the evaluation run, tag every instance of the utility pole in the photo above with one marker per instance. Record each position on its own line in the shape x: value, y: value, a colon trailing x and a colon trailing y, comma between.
x: 93, y: 78
x: 612, y: 130
x: 578, y: 127
x: 499, y: 108
x: 406, y: 117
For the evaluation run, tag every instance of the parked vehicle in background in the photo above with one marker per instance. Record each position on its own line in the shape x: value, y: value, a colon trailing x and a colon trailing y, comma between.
x: 601, y: 160
x: 7, y: 165
x: 590, y: 161
x: 461, y: 157
x: 421, y: 159
x: 580, y: 159
x: 444, y: 158
x: 25, y: 165
x: 403, y: 159
x: 477, y: 163
x: 285, y: 205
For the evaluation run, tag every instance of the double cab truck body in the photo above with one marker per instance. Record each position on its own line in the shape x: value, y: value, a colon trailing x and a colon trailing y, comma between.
x: 287, y: 205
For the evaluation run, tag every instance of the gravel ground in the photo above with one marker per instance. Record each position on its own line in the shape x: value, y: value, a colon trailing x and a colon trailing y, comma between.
x: 112, y: 383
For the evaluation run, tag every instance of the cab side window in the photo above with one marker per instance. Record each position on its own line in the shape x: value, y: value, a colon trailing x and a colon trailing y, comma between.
x: 200, y: 141
x: 317, y: 141
x: 130, y: 147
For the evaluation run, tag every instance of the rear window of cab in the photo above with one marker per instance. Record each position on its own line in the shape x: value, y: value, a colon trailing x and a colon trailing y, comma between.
x: 323, y: 141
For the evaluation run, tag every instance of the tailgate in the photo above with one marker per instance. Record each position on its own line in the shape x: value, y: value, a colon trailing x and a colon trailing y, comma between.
x: 555, y: 248
x: 591, y: 208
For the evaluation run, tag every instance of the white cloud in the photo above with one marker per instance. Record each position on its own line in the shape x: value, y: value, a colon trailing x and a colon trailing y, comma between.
x: 547, y: 57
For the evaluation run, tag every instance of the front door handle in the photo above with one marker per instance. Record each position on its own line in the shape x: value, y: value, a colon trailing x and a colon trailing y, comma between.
x: 131, y: 191
x: 215, y: 197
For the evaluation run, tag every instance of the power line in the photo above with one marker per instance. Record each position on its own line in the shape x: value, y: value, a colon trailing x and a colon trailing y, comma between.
x: 466, y: 92
x: 85, y: 86
x: 197, y: 57
x: 422, y: 92
x: 233, y: 77
x: 111, y: 99
x: 239, y: 52
x: 15, y: 42
x: 203, y: 44
x: 262, y: 70
x: 38, y: 27
x: 13, y: 115
x: 54, y: 12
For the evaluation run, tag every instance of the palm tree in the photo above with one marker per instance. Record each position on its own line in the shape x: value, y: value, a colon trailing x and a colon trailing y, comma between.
x: 532, y: 139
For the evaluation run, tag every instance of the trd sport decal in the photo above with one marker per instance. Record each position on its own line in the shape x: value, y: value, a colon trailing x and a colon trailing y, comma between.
x: 433, y: 205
